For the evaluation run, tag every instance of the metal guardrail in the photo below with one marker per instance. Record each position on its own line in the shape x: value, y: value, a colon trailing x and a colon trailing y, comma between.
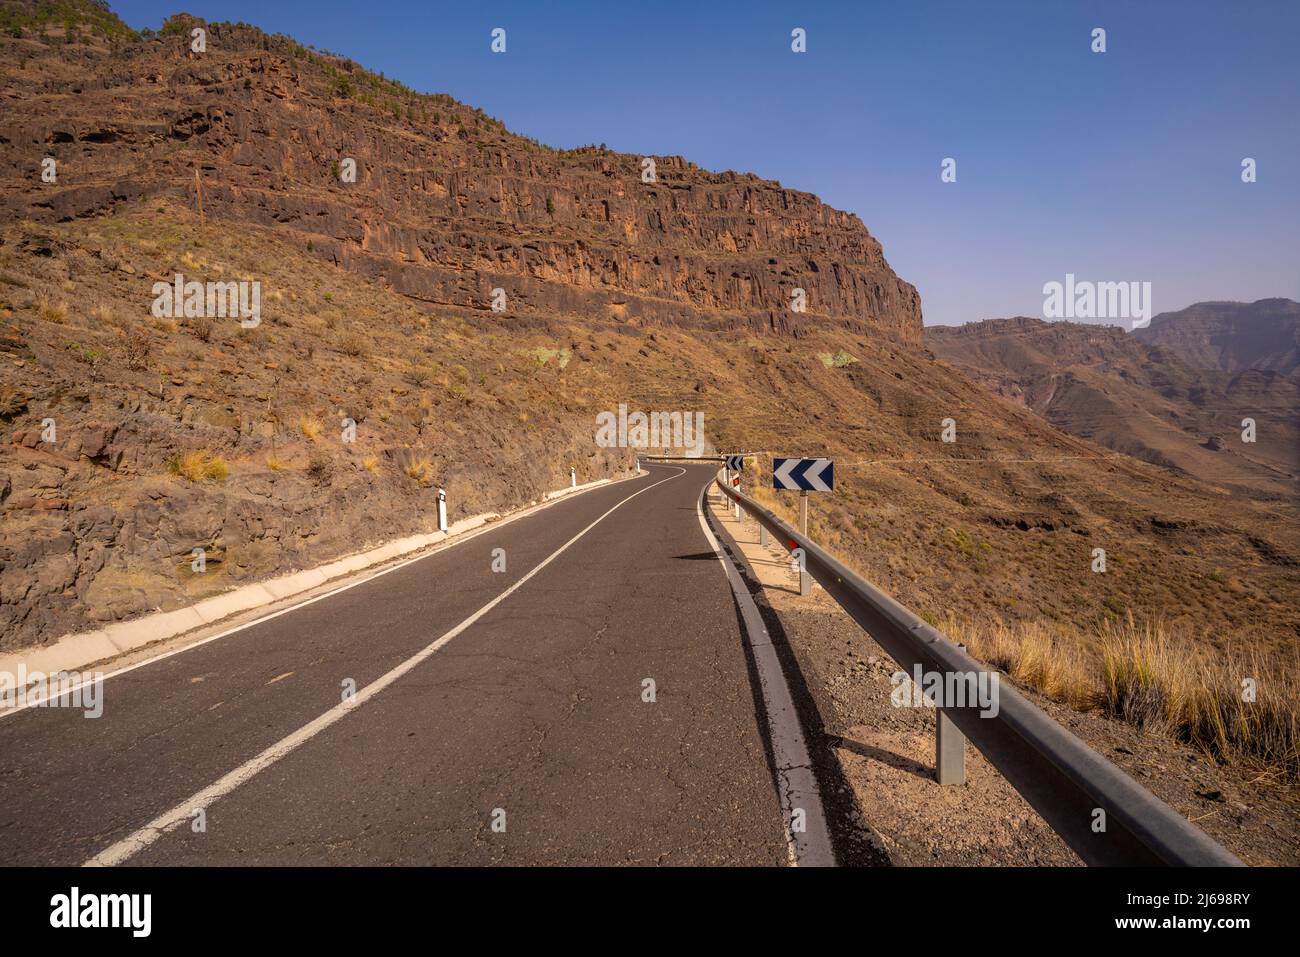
x: 1063, y: 779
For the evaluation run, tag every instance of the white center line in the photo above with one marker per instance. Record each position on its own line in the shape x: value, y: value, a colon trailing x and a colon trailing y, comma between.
x: 134, y: 843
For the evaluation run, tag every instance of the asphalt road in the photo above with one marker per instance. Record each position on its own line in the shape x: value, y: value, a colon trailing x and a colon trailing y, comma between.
x: 532, y: 716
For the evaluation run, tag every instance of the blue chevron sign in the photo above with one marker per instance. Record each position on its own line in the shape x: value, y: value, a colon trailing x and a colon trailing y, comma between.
x: 808, y: 475
x: 736, y: 463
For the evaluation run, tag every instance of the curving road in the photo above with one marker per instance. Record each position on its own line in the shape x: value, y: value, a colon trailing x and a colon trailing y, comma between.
x: 483, y: 697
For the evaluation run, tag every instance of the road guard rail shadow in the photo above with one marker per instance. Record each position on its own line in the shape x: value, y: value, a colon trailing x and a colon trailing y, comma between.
x: 1105, y: 816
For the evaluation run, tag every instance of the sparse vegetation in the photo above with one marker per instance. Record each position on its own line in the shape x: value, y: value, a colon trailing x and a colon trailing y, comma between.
x: 55, y: 312
x: 421, y: 470
x: 320, y: 469
x: 836, y: 360
x: 1157, y: 678
x: 310, y: 428
x: 201, y: 327
x: 542, y: 356
x: 199, y: 466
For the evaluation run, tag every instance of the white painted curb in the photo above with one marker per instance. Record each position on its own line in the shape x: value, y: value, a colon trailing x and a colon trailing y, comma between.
x: 72, y: 652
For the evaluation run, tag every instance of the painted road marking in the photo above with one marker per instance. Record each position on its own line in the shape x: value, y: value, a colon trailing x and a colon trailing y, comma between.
x: 134, y: 843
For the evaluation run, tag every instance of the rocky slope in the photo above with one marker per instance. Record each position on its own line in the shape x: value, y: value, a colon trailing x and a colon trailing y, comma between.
x: 446, y: 204
x: 1145, y: 399
x: 176, y: 433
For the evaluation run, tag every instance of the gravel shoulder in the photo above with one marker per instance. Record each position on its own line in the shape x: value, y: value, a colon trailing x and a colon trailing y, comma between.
x: 892, y: 811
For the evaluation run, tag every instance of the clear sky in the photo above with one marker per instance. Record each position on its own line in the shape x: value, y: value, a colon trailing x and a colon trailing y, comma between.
x: 1124, y: 165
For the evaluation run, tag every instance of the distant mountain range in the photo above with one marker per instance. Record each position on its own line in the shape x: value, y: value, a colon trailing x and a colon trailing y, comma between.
x: 1174, y: 393
x: 1231, y: 336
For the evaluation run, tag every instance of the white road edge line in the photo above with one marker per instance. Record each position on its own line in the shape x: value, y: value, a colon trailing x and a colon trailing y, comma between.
x: 134, y: 843
x: 796, y: 780
x: 441, y: 547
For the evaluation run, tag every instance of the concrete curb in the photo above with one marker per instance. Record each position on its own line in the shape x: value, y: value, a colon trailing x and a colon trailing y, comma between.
x: 72, y: 652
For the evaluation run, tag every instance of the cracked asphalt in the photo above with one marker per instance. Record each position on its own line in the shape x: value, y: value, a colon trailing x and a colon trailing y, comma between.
x: 534, y: 714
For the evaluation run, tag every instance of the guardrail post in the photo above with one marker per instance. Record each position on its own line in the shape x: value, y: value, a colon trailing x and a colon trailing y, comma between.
x: 949, y: 751
x: 762, y: 534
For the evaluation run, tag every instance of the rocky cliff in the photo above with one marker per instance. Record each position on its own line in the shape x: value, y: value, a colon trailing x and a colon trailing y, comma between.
x: 446, y: 204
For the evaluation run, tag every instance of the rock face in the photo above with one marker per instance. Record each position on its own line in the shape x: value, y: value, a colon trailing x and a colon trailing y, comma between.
x: 446, y: 204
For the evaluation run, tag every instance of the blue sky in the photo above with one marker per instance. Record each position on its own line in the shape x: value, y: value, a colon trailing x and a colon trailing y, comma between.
x: 1117, y: 166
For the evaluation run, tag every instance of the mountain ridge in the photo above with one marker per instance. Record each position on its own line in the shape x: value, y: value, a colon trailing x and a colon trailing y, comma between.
x: 447, y: 204
x: 1165, y: 398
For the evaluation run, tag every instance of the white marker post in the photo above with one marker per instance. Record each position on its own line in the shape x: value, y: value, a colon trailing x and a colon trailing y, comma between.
x: 442, y: 510
x: 573, y: 477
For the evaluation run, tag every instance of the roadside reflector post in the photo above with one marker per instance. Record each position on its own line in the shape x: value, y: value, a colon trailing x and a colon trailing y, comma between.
x: 949, y: 749
x: 573, y: 476
x: 442, y: 510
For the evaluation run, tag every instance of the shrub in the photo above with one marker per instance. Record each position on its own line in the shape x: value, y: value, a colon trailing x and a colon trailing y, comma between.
x: 136, y: 346
x: 202, y: 327
x: 310, y: 428
x: 320, y: 469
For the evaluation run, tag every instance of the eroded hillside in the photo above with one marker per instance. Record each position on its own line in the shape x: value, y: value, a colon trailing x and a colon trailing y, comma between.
x: 1154, y: 402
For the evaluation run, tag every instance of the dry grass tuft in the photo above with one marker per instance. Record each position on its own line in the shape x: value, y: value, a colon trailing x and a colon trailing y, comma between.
x: 50, y: 311
x: 310, y: 428
x: 421, y: 471
x: 199, y: 466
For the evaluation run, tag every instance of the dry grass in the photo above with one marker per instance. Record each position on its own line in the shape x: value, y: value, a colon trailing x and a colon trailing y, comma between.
x: 421, y: 471
x: 310, y: 428
x: 1233, y: 704
x: 103, y: 314
x: 370, y: 464
x: 199, y: 466
x: 275, y: 464
x: 50, y: 311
